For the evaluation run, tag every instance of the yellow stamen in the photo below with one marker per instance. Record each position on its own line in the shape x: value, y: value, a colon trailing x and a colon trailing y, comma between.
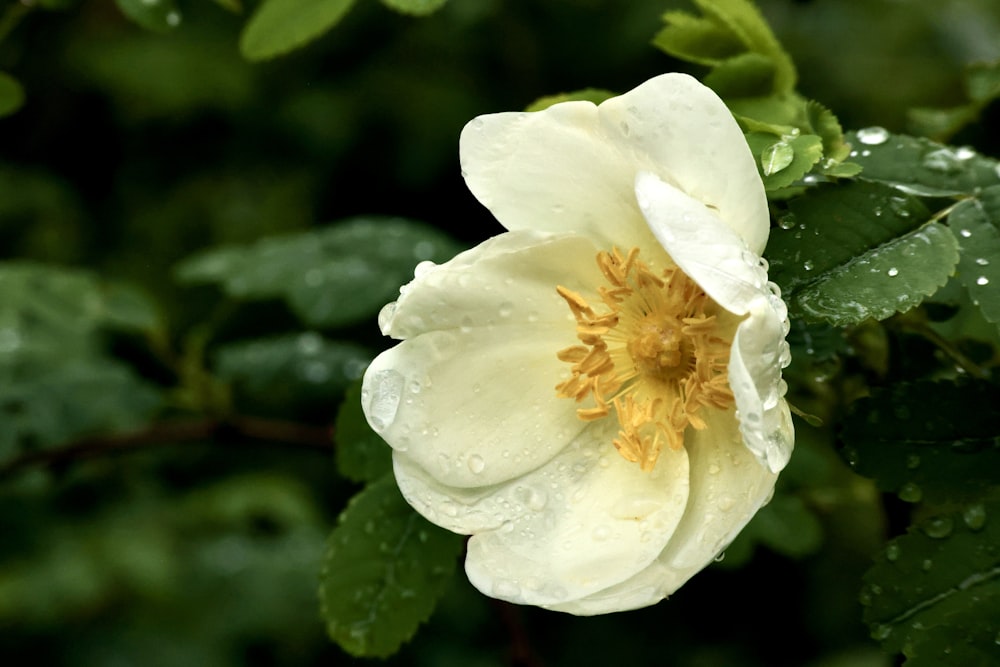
x: 657, y: 356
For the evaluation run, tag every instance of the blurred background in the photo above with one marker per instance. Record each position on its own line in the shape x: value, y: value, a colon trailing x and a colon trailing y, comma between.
x: 136, y: 149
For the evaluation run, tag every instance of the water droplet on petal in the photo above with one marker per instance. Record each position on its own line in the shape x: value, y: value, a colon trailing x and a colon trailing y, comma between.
x: 384, y: 392
x: 506, y: 308
x: 476, y: 464
x: 601, y: 533
x: 873, y: 136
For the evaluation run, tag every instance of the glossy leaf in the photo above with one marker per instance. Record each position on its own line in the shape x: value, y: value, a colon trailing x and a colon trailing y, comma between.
x: 331, y: 277
x: 384, y: 571
x: 785, y: 160
x: 847, y: 252
x: 976, y: 224
x: 934, y: 593
x: 155, y: 15
x: 927, y: 442
x: 362, y: 456
x: 279, y: 26
x: 920, y: 166
x: 415, y: 7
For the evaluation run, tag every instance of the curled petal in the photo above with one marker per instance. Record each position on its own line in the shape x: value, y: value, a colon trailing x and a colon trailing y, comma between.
x: 758, y: 354
x: 704, y: 247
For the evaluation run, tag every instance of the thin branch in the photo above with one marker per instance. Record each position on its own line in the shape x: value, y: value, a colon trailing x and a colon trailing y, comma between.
x: 234, y: 430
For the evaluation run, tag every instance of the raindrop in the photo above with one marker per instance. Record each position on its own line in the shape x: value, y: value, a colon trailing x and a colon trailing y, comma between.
x: 982, y: 280
x: 938, y: 527
x: 873, y: 136
x: 910, y: 493
x: 721, y: 557
x: 787, y: 222
x: 926, y: 565
x: 974, y: 516
x: 423, y: 268
x: 476, y: 464
x: 882, y: 632
x: 965, y: 153
x: 808, y: 265
x: 941, y: 160
x: 385, y: 390
x: 965, y: 233
x: 506, y: 308
x: 601, y: 533
x: 982, y: 261
x: 713, y: 469
x: 893, y: 272
x: 892, y: 552
x: 912, y: 461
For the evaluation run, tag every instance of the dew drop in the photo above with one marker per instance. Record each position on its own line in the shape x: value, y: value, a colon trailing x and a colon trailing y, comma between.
x: 423, y: 268
x: 982, y: 261
x: 384, y: 392
x: 873, y: 136
x: 910, y: 493
x: 982, y: 280
x: 506, y: 308
x: 974, y: 516
x: 912, y: 461
x: 926, y: 565
x: 938, y: 527
x: 601, y: 533
x: 881, y: 632
x: 787, y: 222
x: 892, y: 552
x: 965, y: 233
x: 808, y: 265
x: 893, y: 272
x: 476, y: 464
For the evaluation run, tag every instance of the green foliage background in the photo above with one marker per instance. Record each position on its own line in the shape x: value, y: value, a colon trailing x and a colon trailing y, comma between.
x: 178, y: 206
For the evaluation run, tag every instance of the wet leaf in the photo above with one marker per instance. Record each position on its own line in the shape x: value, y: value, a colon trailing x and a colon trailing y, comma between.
x: 362, y: 456
x: 155, y: 15
x: 976, y: 224
x: 279, y: 26
x: 385, y: 569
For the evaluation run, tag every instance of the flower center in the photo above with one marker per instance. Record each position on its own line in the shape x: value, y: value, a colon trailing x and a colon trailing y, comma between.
x: 657, y: 356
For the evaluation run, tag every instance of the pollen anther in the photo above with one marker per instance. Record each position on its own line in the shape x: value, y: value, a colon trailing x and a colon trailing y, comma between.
x: 656, y: 356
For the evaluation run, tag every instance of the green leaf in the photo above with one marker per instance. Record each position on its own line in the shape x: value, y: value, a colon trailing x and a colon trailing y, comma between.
x: 778, y: 170
x: 595, y: 95
x: 940, y: 124
x: 824, y: 123
x: 127, y: 307
x: 362, y: 456
x: 695, y: 39
x: 982, y: 82
x: 976, y: 223
x: 415, y: 7
x: 846, y: 252
x: 279, y: 26
x: 11, y: 95
x: 331, y: 277
x: 927, y: 441
x: 920, y: 166
x: 155, y: 15
x: 934, y: 593
x: 745, y: 75
x: 384, y: 572
x: 291, y: 369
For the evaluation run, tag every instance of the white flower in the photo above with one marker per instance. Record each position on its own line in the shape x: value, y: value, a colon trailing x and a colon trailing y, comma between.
x: 595, y: 395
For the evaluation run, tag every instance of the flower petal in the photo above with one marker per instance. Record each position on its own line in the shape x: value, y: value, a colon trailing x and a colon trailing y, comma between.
x: 687, y: 134
x: 728, y: 486
x: 554, y: 171
x: 473, y: 387
x: 704, y: 247
x: 605, y: 520
x: 758, y: 354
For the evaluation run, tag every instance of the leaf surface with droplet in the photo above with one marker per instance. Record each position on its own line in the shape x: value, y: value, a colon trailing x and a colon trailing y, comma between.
x: 976, y: 224
x: 384, y: 571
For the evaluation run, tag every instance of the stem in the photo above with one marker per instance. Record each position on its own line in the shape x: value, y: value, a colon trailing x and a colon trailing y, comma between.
x: 943, y: 344
x: 233, y: 430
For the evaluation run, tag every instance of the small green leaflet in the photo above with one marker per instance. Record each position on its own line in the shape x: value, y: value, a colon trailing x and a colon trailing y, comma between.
x: 920, y: 166
x: 362, y: 456
x: 982, y: 86
x: 415, y: 7
x: 976, y: 224
x: 155, y: 15
x: 847, y: 252
x: 11, y: 95
x: 331, y: 277
x: 384, y: 571
x: 280, y: 26
x: 934, y: 593
x: 785, y: 160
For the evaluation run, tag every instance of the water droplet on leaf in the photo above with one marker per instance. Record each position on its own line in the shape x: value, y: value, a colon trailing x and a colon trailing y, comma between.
x: 873, y: 136
x: 910, y: 493
x: 974, y: 516
x: 938, y: 527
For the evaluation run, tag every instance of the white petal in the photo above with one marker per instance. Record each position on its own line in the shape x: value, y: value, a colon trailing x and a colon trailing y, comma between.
x: 470, y: 395
x: 728, y: 486
x: 604, y: 521
x: 554, y: 171
x: 690, y: 139
x: 508, y: 280
x: 704, y: 247
x: 758, y: 354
